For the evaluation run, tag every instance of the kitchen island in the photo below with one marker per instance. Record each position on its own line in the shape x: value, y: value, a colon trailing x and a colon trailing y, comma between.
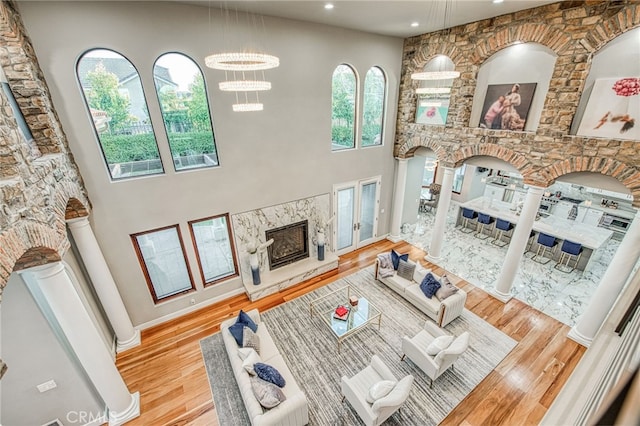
x: 592, y: 238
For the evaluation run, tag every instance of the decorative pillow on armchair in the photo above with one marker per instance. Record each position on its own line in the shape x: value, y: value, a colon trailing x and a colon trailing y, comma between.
x: 429, y: 285
x: 446, y: 288
x: 395, y: 258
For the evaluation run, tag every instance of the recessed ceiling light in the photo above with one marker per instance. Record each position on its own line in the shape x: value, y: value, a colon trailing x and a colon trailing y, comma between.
x: 497, y: 1
x: 328, y: 6
x: 415, y: 24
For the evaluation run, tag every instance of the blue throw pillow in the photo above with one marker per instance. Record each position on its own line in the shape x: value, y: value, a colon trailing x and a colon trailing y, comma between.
x: 237, y: 331
x: 244, y: 318
x: 429, y: 285
x: 395, y: 258
x: 269, y: 373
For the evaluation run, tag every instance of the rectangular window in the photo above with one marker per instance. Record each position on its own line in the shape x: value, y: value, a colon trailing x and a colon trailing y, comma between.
x: 458, y: 178
x: 214, y: 248
x: 163, y: 261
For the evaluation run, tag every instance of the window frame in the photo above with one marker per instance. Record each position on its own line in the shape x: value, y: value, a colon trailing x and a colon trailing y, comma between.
x: 206, y: 91
x: 236, y: 272
x: 356, y: 109
x: 145, y: 270
x: 95, y: 130
x: 464, y: 170
x: 384, y: 106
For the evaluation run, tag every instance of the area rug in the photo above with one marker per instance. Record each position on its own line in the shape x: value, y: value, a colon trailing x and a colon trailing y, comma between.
x: 310, y: 349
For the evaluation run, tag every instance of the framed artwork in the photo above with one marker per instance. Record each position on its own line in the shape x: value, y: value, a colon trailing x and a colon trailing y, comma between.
x: 612, y: 109
x: 432, y: 112
x: 506, y: 106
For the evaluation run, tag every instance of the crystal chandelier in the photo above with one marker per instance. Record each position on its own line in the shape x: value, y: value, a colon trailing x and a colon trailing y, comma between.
x: 433, y: 90
x: 244, y: 85
x: 435, y: 75
x: 242, y: 61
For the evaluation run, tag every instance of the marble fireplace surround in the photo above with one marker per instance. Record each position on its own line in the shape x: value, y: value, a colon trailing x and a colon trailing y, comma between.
x: 250, y: 227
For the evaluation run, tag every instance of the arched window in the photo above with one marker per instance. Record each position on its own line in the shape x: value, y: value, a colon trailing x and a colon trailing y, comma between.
x: 343, y: 108
x: 185, y: 111
x: 373, y: 107
x: 120, y: 116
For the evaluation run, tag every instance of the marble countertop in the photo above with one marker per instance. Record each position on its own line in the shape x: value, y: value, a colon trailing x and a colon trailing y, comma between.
x: 627, y: 213
x: 589, y: 236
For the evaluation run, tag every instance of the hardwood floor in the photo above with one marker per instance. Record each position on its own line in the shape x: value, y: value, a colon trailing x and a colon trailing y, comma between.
x: 168, y: 371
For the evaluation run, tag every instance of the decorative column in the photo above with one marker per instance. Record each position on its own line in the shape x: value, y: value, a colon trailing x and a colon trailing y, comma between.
x: 127, y: 337
x: 398, y: 200
x: 442, y: 211
x: 611, y: 284
x: 521, y: 233
x: 61, y: 296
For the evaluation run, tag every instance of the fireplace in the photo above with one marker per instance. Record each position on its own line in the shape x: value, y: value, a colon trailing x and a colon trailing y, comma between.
x: 290, y: 244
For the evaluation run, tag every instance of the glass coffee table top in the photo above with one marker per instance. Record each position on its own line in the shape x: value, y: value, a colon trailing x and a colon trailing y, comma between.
x: 359, y: 315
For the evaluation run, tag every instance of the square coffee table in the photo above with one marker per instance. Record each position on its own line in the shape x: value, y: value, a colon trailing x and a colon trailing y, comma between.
x: 359, y: 316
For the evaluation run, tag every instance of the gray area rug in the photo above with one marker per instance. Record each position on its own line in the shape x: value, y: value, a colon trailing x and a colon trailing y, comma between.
x: 310, y: 349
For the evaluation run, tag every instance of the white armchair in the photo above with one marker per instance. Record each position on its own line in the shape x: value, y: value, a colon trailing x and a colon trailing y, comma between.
x: 356, y: 389
x: 433, y: 365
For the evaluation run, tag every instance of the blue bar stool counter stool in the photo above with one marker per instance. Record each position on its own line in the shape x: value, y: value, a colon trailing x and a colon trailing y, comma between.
x: 503, y: 228
x: 468, y: 215
x: 484, y: 221
x: 569, y: 251
x: 545, y: 243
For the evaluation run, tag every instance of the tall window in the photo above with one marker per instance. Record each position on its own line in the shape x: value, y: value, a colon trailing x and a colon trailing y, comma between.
x: 162, y: 258
x: 214, y: 248
x: 113, y: 93
x: 343, y: 108
x: 458, y: 178
x: 185, y: 111
x: 373, y: 107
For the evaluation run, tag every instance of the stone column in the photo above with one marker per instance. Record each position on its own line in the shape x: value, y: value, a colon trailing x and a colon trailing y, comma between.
x: 611, y: 284
x: 502, y: 290
x: 127, y: 337
x: 60, y: 294
x: 398, y: 200
x: 439, y: 225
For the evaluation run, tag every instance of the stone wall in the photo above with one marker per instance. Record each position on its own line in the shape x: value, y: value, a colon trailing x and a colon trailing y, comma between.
x: 40, y: 186
x: 574, y: 30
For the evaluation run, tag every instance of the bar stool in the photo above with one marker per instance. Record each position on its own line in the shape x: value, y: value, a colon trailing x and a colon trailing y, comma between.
x: 569, y: 251
x: 502, y: 228
x: 529, y: 244
x: 545, y: 243
x: 468, y: 215
x: 484, y: 220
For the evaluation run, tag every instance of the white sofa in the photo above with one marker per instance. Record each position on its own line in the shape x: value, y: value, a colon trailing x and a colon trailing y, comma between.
x: 294, y: 411
x: 442, y: 312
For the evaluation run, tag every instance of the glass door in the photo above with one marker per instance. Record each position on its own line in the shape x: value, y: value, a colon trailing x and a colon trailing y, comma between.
x: 356, y: 210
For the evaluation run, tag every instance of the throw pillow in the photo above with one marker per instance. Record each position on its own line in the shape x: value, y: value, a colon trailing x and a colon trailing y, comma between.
x: 250, y: 339
x: 267, y: 394
x: 438, y: 344
x: 243, y: 353
x: 406, y: 269
x: 250, y: 361
x: 446, y: 288
x: 385, y: 260
x: 269, y: 373
x: 236, y: 331
x: 244, y: 318
x: 429, y: 285
x: 420, y: 273
x: 379, y: 390
x: 395, y: 258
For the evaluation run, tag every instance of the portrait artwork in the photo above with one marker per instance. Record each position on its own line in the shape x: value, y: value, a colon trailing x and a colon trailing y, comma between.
x: 506, y: 106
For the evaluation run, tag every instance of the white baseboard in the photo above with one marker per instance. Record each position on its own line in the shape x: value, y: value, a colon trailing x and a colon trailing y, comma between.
x: 190, y: 309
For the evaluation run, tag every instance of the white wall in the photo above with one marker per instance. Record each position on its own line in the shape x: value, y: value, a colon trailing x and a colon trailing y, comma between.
x: 267, y: 158
x: 415, y: 173
x: 34, y: 355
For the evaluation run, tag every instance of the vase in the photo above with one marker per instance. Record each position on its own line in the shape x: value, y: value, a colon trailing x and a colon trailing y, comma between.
x: 320, y: 238
x: 255, y: 268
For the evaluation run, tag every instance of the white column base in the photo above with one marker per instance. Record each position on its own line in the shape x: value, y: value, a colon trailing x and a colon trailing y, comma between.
x: 503, y: 297
x: 394, y: 238
x: 433, y: 259
x: 576, y: 336
x: 133, y: 411
x: 128, y: 344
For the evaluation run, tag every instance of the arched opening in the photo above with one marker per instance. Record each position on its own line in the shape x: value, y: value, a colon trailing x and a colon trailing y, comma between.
x: 75, y: 209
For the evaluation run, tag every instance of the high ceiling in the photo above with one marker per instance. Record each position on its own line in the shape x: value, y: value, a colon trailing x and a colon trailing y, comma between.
x: 391, y: 18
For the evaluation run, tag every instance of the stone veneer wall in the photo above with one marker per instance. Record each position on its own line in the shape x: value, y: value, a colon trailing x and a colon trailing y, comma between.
x: 574, y: 30
x: 39, y: 187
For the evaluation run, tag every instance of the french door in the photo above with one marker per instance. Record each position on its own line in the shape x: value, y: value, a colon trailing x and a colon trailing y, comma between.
x: 356, y: 207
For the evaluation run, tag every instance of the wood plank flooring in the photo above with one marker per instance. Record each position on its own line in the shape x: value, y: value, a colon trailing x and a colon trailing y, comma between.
x: 168, y: 371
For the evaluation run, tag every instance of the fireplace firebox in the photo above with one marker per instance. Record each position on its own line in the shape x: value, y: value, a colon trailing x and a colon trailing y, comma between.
x: 290, y: 244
